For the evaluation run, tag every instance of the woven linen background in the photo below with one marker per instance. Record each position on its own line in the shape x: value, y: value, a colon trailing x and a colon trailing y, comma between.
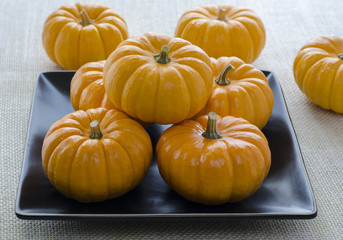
x: 289, y: 24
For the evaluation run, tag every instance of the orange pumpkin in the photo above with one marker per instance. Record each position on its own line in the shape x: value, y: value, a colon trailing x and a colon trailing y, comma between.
x: 318, y: 71
x: 223, y: 30
x: 212, y: 162
x: 87, y: 87
x: 240, y: 90
x: 96, y: 155
x: 83, y: 32
x: 157, y: 78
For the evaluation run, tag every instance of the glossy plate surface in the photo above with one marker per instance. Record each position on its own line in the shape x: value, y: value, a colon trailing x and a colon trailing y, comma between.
x: 285, y: 193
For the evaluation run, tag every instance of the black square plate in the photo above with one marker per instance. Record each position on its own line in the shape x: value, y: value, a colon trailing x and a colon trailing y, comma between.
x: 285, y: 193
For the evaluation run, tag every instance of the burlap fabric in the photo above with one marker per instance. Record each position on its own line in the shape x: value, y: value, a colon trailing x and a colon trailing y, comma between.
x: 288, y: 24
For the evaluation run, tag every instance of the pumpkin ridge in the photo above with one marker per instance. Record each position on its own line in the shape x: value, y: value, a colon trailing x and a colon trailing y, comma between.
x: 84, y: 96
x: 176, y: 149
x: 55, y: 47
x: 264, y: 157
x: 200, y: 73
x: 102, y: 41
x: 230, y: 163
x: 71, y: 164
x: 129, y: 158
x: 158, y: 83
x: 339, y: 71
x: 109, y: 13
x: 333, y: 78
x: 309, y: 71
x: 116, y: 22
x: 127, y: 85
x: 134, y: 133
x: 201, y: 11
x: 46, y: 150
x: 333, y: 46
x: 188, y: 91
x: 266, y: 102
x: 205, y: 39
x: 252, y: 111
x: 108, y: 194
x: 112, y: 68
x: 253, y: 48
x: 72, y: 9
x: 52, y: 159
x: 246, y: 169
x: 300, y: 81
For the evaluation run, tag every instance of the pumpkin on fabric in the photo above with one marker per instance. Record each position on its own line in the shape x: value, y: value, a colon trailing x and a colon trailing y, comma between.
x: 96, y: 155
x: 223, y: 30
x: 83, y: 32
x: 157, y: 78
x: 318, y: 72
x: 240, y: 90
x: 213, y: 161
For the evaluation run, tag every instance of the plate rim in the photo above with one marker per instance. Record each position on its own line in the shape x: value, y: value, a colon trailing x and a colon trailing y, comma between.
x: 59, y: 216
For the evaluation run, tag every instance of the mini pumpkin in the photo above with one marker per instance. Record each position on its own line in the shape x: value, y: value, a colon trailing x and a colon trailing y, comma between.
x: 213, y: 161
x: 318, y: 72
x: 87, y: 87
x: 96, y: 155
x: 83, y: 32
x: 157, y: 78
x: 240, y: 90
x: 223, y: 30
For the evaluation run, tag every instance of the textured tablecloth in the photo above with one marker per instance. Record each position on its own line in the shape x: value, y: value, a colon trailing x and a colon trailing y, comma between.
x: 288, y: 24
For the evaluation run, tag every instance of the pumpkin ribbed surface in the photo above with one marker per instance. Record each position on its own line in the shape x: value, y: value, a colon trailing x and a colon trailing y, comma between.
x: 318, y: 72
x: 228, y: 168
x: 246, y: 93
x: 157, y: 78
x: 87, y: 87
x: 83, y: 32
x: 91, y: 167
x: 223, y: 30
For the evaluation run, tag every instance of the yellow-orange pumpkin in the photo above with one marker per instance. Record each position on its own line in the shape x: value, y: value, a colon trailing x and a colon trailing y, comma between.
x: 96, y: 155
x: 87, y: 87
x: 157, y: 78
x: 83, y: 32
x: 318, y: 71
x: 212, y: 162
x: 223, y: 30
x: 240, y: 90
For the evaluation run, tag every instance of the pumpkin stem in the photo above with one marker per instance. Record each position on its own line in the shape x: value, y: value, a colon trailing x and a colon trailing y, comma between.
x: 85, y: 20
x: 340, y: 56
x: 221, y: 15
x: 211, y: 129
x: 222, y: 80
x: 162, y: 57
x: 95, y: 132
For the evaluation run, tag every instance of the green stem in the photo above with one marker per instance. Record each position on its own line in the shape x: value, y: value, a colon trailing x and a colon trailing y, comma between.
x: 340, y: 56
x: 95, y: 132
x: 163, y: 57
x: 222, y: 15
x: 85, y: 20
x: 211, y: 129
x: 222, y: 79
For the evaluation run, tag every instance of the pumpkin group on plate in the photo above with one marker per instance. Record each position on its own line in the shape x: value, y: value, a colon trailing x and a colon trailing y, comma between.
x: 214, y: 153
